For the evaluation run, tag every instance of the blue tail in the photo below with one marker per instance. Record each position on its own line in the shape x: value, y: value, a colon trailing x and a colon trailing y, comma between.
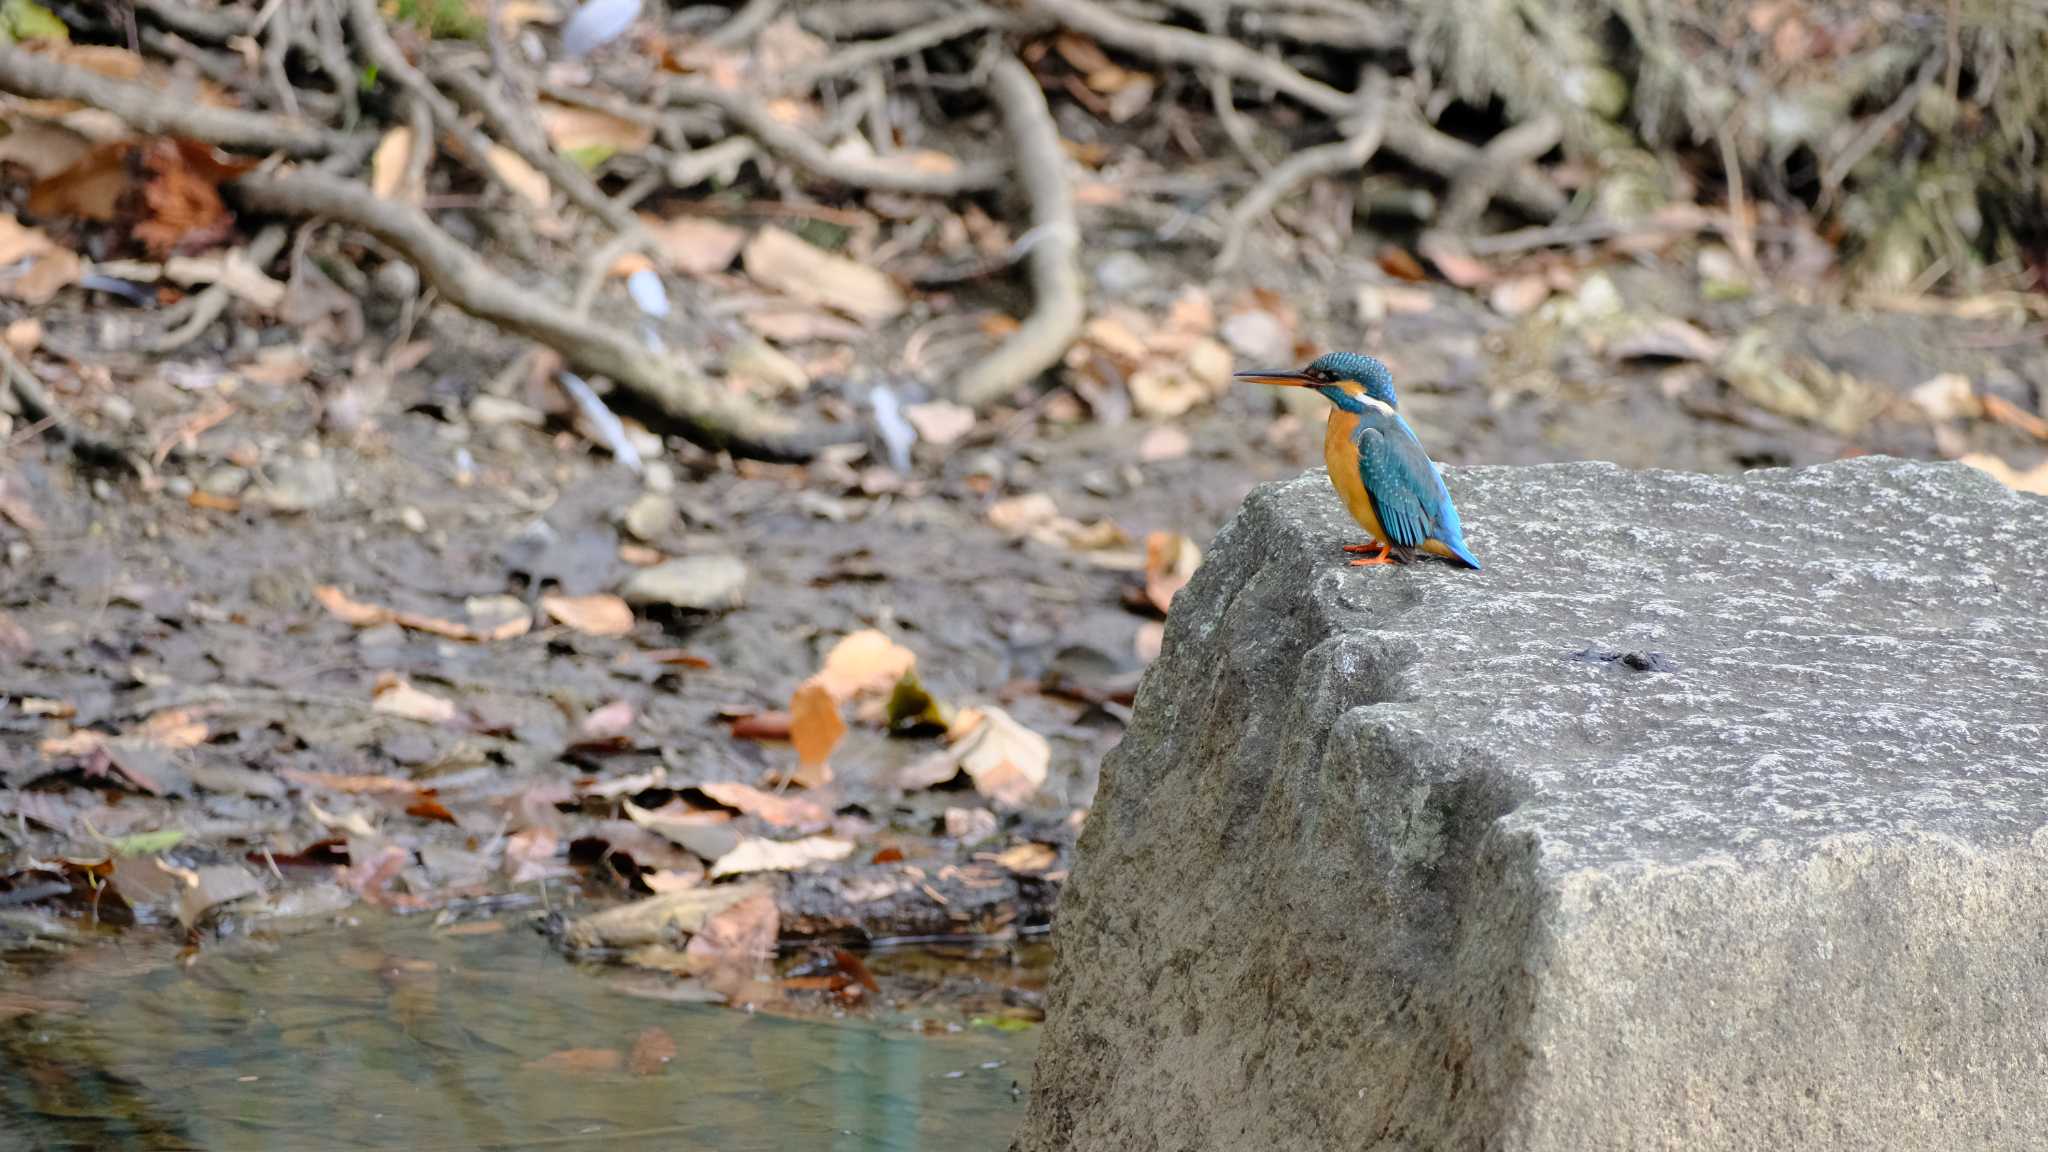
x: 1463, y: 553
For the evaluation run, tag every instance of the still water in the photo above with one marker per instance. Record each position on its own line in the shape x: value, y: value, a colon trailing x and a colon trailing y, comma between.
x: 393, y: 1035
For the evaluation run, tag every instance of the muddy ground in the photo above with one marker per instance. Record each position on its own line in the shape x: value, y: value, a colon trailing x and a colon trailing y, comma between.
x: 196, y: 600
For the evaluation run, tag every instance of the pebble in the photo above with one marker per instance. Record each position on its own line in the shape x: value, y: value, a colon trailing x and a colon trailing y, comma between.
x: 414, y: 520
x: 1121, y: 273
x: 490, y: 411
x: 650, y: 518
x: 301, y: 485
x: 692, y: 583
x: 659, y: 477
x: 178, y: 487
x: 226, y: 480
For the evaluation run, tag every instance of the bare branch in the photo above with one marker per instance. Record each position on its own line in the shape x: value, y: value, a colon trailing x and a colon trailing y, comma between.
x: 1059, y: 305
x: 670, y: 390
x: 1347, y: 155
x: 152, y: 110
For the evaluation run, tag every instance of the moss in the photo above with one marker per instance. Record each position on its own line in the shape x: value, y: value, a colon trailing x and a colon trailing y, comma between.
x: 442, y: 19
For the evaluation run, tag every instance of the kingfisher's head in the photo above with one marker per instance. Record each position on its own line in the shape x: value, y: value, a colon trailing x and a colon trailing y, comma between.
x: 1345, y: 378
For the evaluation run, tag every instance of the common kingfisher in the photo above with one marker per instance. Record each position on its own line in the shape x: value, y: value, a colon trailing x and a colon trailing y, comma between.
x: 1378, y: 467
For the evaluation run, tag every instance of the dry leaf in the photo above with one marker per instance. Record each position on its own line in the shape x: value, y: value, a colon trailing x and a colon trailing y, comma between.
x: 1164, y: 443
x: 867, y: 662
x: 1028, y: 857
x: 2034, y: 480
x: 1949, y: 396
x: 43, y: 150
x: 1006, y: 761
x: 430, y: 809
x: 231, y: 271
x: 1018, y: 515
x: 761, y: 726
x: 1170, y: 562
x: 210, y: 886
x: 350, y: 611
x: 940, y: 422
x: 1150, y: 639
x: 1457, y: 266
x: 606, y: 723
x: 19, y: 242
x: 796, y: 326
x: 2005, y: 412
x: 518, y: 175
x: 573, y: 129
x: 1164, y: 389
x: 754, y: 854
x: 815, y: 728
x: 599, y: 615
x: 530, y: 855
x: 23, y: 336
x: 1518, y: 295
x: 778, y: 260
x: 173, y: 728
x: 389, y: 162
x: 695, y: 246
x: 737, y: 940
x: 399, y: 698
x: 781, y: 811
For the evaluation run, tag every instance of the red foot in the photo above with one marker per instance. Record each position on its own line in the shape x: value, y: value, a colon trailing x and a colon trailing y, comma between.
x: 1374, y: 561
x: 1368, y: 549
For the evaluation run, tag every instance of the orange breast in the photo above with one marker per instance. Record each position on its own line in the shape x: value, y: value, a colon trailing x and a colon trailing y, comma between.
x: 1340, y: 456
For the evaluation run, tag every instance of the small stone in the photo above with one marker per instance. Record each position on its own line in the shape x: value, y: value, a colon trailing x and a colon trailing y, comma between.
x: 396, y: 281
x: 1259, y: 336
x: 658, y: 476
x: 1123, y: 272
x: 491, y: 411
x: 1519, y: 296
x: 101, y: 490
x: 414, y: 520
x: 1598, y: 297
x: 691, y: 583
x: 177, y: 487
x: 650, y: 518
x: 301, y: 485
x: 226, y: 480
x: 117, y: 410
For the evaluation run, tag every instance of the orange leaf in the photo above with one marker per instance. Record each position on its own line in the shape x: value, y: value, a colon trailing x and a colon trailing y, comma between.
x: 865, y: 662
x: 349, y: 611
x: 430, y: 810
x: 781, y: 811
x: 815, y: 728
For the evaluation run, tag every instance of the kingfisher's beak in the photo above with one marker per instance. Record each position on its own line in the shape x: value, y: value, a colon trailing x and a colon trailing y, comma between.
x: 1282, y: 379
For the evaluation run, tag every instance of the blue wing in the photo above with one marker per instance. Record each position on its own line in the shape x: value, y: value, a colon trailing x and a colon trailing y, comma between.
x: 1407, y: 492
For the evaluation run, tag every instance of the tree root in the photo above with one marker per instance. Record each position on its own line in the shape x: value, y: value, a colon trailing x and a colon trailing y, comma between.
x: 207, y: 307
x: 146, y: 110
x: 794, y: 146
x: 1347, y: 155
x: 1059, y: 305
x: 670, y: 392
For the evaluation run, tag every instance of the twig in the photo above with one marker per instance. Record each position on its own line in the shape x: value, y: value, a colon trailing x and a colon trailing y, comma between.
x: 153, y: 111
x: 795, y: 146
x: 471, y: 146
x: 207, y: 306
x: 1474, y: 188
x: 1058, y: 304
x: 39, y: 406
x: 331, y: 51
x: 1740, y: 240
x: 214, y: 25
x: 1872, y: 134
x: 1408, y: 135
x: 911, y: 41
x: 1347, y: 155
x: 1180, y: 46
x: 277, y: 41
x: 672, y: 392
x: 750, y: 19
x: 526, y: 139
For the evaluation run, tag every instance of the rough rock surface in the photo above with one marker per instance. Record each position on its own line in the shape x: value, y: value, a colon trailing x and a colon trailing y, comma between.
x: 1710, y: 816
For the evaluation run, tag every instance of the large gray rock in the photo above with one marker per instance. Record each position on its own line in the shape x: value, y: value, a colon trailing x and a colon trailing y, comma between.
x: 1390, y: 860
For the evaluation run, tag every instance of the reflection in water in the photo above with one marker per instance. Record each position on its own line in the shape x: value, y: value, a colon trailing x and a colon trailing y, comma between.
x: 395, y: 1036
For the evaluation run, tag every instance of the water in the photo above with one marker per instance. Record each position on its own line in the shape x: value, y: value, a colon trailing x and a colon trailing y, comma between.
x: 395, y: 1035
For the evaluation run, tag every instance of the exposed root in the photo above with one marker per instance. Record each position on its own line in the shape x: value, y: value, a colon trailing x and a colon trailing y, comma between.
x: 1059, y: 305
x: 145, y: 109
x: 1347, y: 155
x: 669, y: 390
x: 1475, y: 187
x: 207, y: 307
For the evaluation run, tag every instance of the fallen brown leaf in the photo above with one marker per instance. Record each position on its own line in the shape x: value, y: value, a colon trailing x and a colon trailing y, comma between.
x: 600, y: 615
x: 530, y: 854
x: 816, y: 728
x: 654, y: 919
x: 398, y: 697
x: 754, y: 854
x: 779, y: 260
x: 2005, y: 412
x: 781, y: 811
x: 864, y: 663
x: 1170, y: 562
x: 575, y: 129
x: 1028, y: 857
x: 2033, y: 480
x: 1457, y: 266
x: 695, y: 246
x: 430, y: 810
